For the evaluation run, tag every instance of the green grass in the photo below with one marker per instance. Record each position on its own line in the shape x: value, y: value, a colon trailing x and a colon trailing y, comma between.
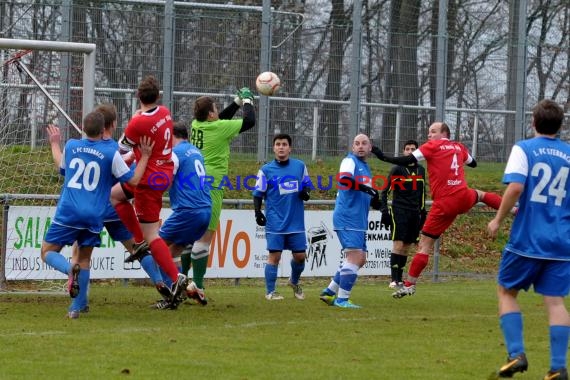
x: 448, y: 330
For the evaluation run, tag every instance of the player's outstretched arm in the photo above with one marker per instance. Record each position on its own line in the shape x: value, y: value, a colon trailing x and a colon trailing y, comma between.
x: 243, y: 96
x: 404, y: 160
x: 146, y: 144
x: 248, y: 117
x: 54, y: 137
x: 510, y: 198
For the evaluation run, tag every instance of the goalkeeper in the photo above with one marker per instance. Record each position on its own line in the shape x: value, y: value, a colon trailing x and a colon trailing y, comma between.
x: 212, y: 133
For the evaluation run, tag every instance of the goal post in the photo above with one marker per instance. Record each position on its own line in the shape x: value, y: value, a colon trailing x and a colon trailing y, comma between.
x: 26, y: 167
x: 88, y: 51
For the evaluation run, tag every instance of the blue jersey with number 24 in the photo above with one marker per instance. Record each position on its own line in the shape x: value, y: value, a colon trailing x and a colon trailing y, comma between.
x: 541, y: 228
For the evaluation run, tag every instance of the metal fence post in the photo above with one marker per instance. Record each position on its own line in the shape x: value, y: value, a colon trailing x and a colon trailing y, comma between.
x: 435, y: 275
x: 168, y: 51
x: 265, y: 65
x: 441, y: 70
x: 5, y: 208
x: 355, y: 77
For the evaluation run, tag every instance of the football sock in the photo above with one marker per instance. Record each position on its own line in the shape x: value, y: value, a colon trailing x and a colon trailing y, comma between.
x: 270, y: 277
x: 129, y: 218
x: 199, y: 267
x: 348, y: 276
x: 512, y: 328
x: 394, y: 261
x: 186, y: 262
x: 401, y: 265
x: 296, y: 269
x: 149, y: 266
x: 161, y: 255
x: 178, y: 264
x: 558, y: 346
x: 83, y: 279
x: 332, y: 289
x: 199, y: 262
x: 167, y: 281
x: 419, y: 263
x: 81, y: 301
x: 492, y: 200
x: 57, y: 261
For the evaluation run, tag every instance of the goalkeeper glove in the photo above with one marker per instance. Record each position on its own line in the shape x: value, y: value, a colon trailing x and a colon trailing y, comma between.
x: 260, y: 218
x: 245, y: 95
x: 304, y: 194
x: 377, y: 152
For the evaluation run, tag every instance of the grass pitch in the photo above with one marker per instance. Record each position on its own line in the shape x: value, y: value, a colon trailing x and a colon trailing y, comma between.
x: 448, y: 330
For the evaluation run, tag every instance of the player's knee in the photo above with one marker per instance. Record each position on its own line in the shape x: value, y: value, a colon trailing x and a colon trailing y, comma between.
x: 200, y: 249
x: 480, y: 195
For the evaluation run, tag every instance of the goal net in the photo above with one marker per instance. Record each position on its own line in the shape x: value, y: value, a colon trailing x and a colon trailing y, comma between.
x: 34, y: 93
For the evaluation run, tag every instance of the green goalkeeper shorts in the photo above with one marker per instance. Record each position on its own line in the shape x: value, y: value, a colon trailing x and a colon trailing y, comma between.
x: 217, y: 198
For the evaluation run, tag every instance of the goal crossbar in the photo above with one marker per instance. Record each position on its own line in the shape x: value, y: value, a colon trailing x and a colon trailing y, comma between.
x: 88, y: 51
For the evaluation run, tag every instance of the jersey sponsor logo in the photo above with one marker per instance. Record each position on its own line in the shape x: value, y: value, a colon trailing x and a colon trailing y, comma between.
x: 454, y: 182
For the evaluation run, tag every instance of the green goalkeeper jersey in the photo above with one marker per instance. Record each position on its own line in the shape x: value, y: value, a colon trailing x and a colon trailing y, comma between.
x: 213, y: 138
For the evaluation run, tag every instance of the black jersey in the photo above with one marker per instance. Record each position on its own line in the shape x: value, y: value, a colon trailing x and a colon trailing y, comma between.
x: 407, y: 185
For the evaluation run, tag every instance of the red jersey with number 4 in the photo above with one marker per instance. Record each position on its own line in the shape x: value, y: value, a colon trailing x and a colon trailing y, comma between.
x: 445, y: 161
x: 157, y: 124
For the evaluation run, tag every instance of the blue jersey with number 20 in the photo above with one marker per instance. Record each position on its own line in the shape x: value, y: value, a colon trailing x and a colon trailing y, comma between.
x: 541, y: 228
x: 90, y: 168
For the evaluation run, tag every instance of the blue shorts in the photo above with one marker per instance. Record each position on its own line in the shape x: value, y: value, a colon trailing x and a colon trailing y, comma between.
x: 184, y: 227
x: 548, y: 277
x: 350, y: 239
x: 294, y: 242
x: 117, y: 230
x: 62, y: 235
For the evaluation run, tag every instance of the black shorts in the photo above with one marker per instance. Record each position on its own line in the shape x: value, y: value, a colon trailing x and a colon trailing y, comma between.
x: 406, y: 226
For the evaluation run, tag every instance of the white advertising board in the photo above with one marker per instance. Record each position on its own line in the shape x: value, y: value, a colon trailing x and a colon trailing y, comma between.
x: 237, y: 251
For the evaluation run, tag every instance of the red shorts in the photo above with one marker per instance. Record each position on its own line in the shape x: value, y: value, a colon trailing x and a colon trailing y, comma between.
x: 444, y: 211
x: 148, y: 202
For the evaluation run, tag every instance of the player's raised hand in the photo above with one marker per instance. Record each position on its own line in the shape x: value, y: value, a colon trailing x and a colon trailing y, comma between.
x: 146, y: 144
x: 245, y: 95
x: 54, y: 135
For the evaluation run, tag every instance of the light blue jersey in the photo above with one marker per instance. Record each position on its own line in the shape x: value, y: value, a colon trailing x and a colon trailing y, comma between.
x: 90, y: 169
x: 188, y: 190
x: 351, y: 206
x: 541, y: 228
x: 280, y: 183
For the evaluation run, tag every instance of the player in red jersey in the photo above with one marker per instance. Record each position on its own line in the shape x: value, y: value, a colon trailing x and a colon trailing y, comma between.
x: 449, y: 192
x: 154, y: 121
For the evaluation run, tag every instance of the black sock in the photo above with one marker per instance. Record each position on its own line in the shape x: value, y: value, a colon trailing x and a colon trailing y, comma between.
x: 401, y: 264
x: 394, y: 260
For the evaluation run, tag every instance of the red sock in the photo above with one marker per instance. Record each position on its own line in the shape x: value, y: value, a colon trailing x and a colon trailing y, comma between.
x: 419, y: 263
x: 163, y: 258
x: 492, y: 200
x: 127, y: 215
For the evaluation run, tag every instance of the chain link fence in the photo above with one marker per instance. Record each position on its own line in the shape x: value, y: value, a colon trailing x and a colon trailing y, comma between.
x: 215, y: 48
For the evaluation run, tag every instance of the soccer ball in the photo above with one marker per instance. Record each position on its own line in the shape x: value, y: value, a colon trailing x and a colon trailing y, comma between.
x: 267, y: 83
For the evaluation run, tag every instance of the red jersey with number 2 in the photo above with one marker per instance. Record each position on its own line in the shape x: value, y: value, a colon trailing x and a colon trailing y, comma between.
x: 445, y: 161
x: 157, y: 124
